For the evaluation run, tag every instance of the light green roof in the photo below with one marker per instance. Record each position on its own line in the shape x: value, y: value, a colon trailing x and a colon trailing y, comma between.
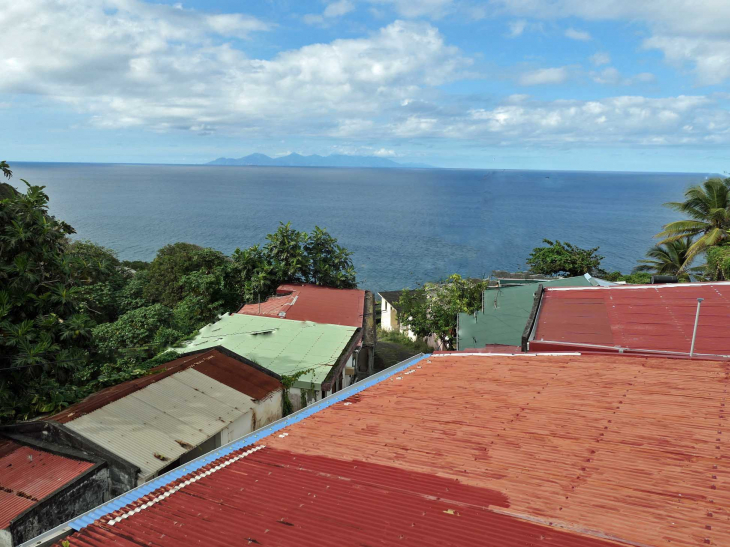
x: 280, y: 345
x: 506, y: 311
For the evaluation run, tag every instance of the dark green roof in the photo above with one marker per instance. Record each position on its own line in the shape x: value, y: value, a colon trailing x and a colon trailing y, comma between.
x: 506, y: 311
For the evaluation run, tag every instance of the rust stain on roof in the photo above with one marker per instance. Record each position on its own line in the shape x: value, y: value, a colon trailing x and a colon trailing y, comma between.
x: 306, y: 302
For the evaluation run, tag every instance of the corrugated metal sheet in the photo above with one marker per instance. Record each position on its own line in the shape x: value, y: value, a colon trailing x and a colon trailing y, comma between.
x: 281, y: 345
x: 506, y: 310
x: 651, y: 317
x: 305, y: 302
x: 28, y: 475
x: 227, y: 370
x: 159, y: 423
x: 471, y: 450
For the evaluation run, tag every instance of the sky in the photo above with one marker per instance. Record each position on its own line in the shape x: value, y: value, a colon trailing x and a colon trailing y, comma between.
x: 622, y: 85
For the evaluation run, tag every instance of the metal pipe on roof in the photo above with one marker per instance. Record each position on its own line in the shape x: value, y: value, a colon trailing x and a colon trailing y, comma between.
x: 694, y: 332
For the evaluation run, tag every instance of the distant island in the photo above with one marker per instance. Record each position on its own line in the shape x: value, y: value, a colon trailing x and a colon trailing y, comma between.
x: 334, y: 160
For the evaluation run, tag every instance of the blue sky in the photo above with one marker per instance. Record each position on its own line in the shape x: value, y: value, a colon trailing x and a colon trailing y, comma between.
x: 534, y: 84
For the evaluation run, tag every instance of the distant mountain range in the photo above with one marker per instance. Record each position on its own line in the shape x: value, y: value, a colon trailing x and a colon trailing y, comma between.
x: 297, y: 160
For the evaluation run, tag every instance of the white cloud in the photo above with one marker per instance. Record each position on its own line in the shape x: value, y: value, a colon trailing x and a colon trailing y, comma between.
x: 434, y: 9
x: 544, y: 76
x: 688, y: 32
x: 574, y: 34
x: 385, y: 153
x: 163, y: 68
x: 600, y: 58
x: 333, y: 10
x: 612, y: 76
x: 612, y: 121
x: 516, y: 28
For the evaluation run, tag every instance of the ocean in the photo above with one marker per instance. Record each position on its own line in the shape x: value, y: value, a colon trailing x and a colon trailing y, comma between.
x: 404, y: 226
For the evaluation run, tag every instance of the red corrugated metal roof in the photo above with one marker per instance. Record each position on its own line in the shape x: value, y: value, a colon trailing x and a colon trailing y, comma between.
x: 303, y: 302
x: 28, y: 475
x: 214, y: 364
x: 650, y: 317
x: 472, y: 450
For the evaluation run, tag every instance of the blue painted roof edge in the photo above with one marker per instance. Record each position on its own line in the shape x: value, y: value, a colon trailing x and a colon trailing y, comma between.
x: 81, y: 521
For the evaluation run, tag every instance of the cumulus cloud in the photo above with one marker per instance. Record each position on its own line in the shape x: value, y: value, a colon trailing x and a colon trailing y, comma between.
x: 333, y: 10
x: 434, y: 9
x: 688, y: 32
x: 160, y: 67
x: 545, y: 76
x: 580, y: 35
x: 624, y: 120
x: 600, y: 58
x: 516, y: 28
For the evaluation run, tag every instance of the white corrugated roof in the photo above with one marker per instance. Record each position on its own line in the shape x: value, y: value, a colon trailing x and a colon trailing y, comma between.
x: 189, y: 407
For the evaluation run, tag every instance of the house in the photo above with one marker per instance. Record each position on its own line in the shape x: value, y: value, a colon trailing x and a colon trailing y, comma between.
x: 43, y: 487
x: 389, y: 306
x: 456, y: 449
x: 321, y: 356
x: 633, y: 319
x: 307, y: 302
x: 505, y: 312
x: 185, y: 408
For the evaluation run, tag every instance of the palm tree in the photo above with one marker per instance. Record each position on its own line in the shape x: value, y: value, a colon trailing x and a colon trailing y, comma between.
x: 669, y: 259
x: 708, y: 206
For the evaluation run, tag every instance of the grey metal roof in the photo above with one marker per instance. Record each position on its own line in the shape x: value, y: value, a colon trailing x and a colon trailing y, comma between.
x: 161, y: 422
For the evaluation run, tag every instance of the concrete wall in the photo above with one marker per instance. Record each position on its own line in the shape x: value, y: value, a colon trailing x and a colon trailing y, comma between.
x: 78, y: 496
x: 268, y: 410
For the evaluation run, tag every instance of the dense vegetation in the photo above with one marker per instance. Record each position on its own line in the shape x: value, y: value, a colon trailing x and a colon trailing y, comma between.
x: 74, y: 318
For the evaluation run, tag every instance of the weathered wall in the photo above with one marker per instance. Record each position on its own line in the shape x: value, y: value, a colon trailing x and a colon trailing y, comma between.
x: 268, y: 410
x: 80, y: 495
x: 57, y: 438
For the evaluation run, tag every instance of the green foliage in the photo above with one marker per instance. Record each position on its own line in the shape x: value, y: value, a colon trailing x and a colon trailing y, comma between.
x: 173, y: 262
x: 565, y: 259
x: 133, y: 334
x: 433, y: 309
x: 718, y: 263
x: 671, y: 258
x: 44, y: 332
x: 287, y: 381
x: 5, y: 169
x: 75, y: 319
x: 291, y: 256
x: 136, y: 265
x: 636, y: 278
x: 400, y: 338
x: 708, y: 207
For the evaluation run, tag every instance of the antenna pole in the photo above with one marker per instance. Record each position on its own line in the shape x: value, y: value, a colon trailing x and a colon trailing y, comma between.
x: 694, y: 332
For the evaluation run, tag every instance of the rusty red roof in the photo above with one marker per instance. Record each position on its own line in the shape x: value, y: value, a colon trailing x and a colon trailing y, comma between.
x: 305, y: 302
x: 27, y: 475
x: 640, y: 318
x: 505, y: 451
x: 213, y: 363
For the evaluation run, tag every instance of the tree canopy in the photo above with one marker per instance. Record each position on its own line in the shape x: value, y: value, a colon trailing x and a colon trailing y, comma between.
x: 708, y: 207
x: 74, y: 318
x: 565, y: 259
x: 670, y: 258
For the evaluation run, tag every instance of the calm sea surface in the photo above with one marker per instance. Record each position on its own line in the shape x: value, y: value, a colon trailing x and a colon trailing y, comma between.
x: 404, y: 226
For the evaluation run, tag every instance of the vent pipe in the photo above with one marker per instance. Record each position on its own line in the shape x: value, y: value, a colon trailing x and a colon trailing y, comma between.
x: 694, y: 332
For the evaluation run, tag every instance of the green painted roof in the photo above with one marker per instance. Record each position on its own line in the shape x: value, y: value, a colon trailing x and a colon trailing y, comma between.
x: 280, y: 345
x: 506, y: 311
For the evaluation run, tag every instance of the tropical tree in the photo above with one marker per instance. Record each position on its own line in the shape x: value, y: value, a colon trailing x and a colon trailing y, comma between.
x: 669, y: 259
x: 708, y: 207
x: 5, y: 169
x: 558, y: 258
